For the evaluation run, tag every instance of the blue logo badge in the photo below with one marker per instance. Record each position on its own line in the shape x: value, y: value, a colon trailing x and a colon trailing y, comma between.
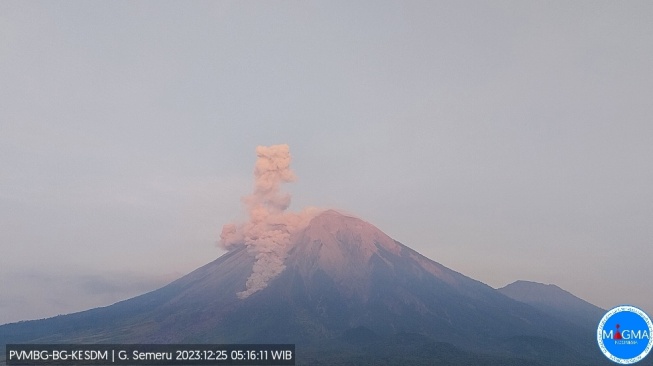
x: 624, y: 334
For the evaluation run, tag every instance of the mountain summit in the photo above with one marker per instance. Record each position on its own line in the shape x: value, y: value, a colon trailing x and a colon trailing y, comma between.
x: 555, y: 301
x: 340, y: 248
x: 342, y: 280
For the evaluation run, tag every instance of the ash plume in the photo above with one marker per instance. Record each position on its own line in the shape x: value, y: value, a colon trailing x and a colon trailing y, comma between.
x: 267, y: 233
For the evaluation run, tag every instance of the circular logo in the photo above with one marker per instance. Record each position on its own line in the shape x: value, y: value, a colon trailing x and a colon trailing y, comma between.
x: 624, y: 334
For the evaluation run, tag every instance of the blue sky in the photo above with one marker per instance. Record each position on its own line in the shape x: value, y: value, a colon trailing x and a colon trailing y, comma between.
x: 506, y: 140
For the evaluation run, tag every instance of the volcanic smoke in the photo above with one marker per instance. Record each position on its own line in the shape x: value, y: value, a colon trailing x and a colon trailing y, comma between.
x: 267, y: 233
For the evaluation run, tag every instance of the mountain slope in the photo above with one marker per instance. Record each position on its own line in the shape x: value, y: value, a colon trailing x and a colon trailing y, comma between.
x: 342, y: 277
x: 555, y: 301
x: 157, y: 316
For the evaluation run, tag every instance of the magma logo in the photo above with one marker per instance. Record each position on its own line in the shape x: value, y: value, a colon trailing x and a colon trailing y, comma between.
x: 624, y: 334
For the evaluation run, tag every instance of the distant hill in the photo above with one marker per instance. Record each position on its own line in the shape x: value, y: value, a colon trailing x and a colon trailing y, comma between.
x: 555, y: 301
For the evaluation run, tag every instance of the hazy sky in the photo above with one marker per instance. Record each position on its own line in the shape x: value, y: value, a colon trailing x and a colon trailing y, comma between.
x: 505, y: 140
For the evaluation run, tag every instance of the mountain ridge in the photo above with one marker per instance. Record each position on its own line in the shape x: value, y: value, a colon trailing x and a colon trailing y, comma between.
x: 555, y: 301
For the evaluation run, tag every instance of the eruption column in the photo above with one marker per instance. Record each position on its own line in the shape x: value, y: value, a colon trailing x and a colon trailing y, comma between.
x: 267, y: 233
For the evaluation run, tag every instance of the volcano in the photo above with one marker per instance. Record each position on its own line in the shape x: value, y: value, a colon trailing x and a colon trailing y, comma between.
x: 348, y: 294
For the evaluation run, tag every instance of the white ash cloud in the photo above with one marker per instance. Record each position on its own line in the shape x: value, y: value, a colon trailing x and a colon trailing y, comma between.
x: 267, y: 233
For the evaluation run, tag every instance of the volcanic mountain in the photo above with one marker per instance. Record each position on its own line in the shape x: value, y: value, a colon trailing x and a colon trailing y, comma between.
x: 349, y: 294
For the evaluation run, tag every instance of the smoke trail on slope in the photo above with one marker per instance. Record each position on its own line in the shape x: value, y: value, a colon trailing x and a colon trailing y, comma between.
x: 267, y: 233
